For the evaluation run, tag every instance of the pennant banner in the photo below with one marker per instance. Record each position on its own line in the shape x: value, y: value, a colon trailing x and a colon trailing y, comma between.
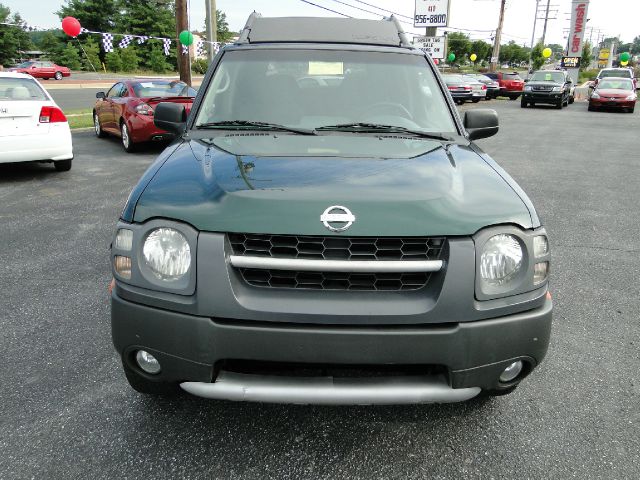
x: 167, y: 45
x: 124, y: 43
x: 107, y: 42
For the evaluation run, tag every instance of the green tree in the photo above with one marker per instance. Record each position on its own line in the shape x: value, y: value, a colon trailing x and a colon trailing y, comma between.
x: 69, y: 57
x: 537, y: 60
x: 129, y: 58
x: 91, y: 55
x: 113, y: 61
x: 52, y: 44
x: 585, y: 59
x: 482, y: 49
x: 157, y: 61
x: 13, y: 38
x: 96, y: 15
x: 459, y: 44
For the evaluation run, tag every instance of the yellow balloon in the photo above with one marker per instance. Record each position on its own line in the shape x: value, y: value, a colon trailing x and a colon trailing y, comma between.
x: 624, y: 64
x: 546, y: 53
x: 473, y: 57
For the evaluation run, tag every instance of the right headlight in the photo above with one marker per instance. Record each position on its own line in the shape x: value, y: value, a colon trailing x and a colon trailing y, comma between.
x: 167, y: 253
x: 528, y: 88
x: 501, y: 259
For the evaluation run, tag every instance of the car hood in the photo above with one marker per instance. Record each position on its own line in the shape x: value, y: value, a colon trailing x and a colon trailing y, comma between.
x: 282, y: 184
x: 546, y: 83
x: 614, y: 92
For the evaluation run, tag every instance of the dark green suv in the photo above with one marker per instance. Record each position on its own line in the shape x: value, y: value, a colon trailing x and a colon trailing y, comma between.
x: 548, y: 86
x: 324, y: 230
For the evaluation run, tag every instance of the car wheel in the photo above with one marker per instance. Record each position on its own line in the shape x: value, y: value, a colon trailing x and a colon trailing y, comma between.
x: 475, y: 100
x: 97, y: 127
x: 559, y: 104
x: 127, y: 142
x: 58, y: 76
x: 632, y: 109
x: 571, y: 99
x: 523, y: 104
x: 513, y: 97
x: 62, y: 165
x: 144, y: 385
x: 591, y: 108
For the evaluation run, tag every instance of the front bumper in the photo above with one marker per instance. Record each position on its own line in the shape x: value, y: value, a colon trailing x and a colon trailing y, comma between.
x: 193, y: 349
x: 542, y: 97
x: 598, y: 102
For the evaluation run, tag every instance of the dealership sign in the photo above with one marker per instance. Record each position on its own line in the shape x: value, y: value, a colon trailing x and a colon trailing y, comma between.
x: 433, y: 46
x: 431, y: 13
x: 578, y: 23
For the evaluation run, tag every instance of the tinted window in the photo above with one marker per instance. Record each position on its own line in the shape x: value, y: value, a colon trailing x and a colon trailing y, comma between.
x: 19, y: 89
x: 155, y: 88
x: 314, y: 88
x: 615, y: 73
x: 511, y: 76
x: 25, y: 64
x: 114, y: 91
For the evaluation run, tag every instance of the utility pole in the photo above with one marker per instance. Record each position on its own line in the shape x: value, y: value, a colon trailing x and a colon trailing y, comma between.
x: 533, y: 35
x: 546, y: 19
x: 495, y: 56
x: 182, y: 23
x: 212, y: 27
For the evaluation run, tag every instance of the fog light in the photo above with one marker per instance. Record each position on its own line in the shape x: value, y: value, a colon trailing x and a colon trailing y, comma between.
x: 540, y: 272
x: 148, y: 362
x: 511, y: 372
x: 122, y: 266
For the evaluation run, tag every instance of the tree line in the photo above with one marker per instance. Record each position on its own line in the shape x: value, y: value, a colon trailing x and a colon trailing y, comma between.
x: 154, y: 18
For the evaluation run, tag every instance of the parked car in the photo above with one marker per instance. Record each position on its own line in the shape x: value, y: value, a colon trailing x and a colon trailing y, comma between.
x: 493, y: 87
x: 553, y: 87
x: 42, y: 69
x: 511, y: 84
x: 32, y: 127
x: 621, y: 72
x: 459, y: 88
x: 611, y: 92
x: 478, y: 89
x: 333, y: 244
x: 127, y: 109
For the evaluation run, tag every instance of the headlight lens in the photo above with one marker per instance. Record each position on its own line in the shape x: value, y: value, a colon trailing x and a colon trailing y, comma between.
x: 501, y: 259
x: 557, y: 89
x: 631, y: 97
x: 595, y: 95
x: 124, y: 239
x: 540, y: 246
x: 528, y: 88
x: 167, y: 253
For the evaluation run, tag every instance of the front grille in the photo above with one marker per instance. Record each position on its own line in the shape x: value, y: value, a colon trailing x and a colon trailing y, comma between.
x: 542, y: 89
x: 336, y: 248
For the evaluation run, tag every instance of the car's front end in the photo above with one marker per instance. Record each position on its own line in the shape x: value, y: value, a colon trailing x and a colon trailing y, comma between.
x: 614, y: 93
x: 543, y: 92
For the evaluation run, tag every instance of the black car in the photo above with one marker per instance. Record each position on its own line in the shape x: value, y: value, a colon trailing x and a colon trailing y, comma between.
x: 548, y: 86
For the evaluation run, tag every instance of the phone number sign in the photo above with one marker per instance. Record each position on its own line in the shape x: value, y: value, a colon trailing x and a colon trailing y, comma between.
x: 431, y: 13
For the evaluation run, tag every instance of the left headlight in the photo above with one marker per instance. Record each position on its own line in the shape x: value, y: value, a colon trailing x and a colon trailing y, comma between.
x: 167, y: 253
x: 631, y: 97
x: 557, y: 89
x: 501, y: 259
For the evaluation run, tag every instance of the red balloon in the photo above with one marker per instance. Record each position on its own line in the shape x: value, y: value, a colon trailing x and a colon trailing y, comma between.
x: 71, y: 26
x: 436, y: 61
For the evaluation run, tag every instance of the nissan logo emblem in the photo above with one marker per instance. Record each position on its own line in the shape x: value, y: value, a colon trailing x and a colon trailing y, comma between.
x: 337, y: 218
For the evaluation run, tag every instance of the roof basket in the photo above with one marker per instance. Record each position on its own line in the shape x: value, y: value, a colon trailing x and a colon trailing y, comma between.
x: 385, y: 32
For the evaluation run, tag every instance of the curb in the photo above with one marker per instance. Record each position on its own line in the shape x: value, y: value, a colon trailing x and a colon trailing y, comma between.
x: 82, y: 129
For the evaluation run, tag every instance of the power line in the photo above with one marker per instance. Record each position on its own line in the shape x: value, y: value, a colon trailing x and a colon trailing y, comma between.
x: 325, y: 8
x: 358, y: 8
x: 384, y: 9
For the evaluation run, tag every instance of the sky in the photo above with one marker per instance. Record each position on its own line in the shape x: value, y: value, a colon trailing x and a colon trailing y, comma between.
x: 478, y: 18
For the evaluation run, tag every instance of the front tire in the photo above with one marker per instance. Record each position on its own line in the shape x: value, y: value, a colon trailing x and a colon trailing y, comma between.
x: 591, y: 108
x: 97, y: 127
x: 475, y: 100
x: 148, y: 387
x: 513, y: 97
x: 523, y: 104
x: 62, y: 165
x: 559, y: 104
x: 125, y: 135
x: 571, y: 99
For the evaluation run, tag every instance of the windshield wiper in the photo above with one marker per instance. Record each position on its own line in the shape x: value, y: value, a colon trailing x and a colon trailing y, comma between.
x: 376, y: 127
x: 231, y: 124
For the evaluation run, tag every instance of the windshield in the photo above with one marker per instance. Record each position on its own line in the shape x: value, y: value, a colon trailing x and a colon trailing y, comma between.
x: 557, y: 77
x: 315, y: 88
x: 25, y: 64
x: 155, y: 88
x: 20, y: 89
x: 621, y: 84
x: 615, y: 73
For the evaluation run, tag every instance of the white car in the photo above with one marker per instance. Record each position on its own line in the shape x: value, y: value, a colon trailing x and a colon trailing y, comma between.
x: 32, y: 127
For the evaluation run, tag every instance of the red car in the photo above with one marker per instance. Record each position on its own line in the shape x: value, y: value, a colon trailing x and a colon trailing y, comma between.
x: 511, y: 84
x: 126, y: 110
x: 42, y: 69
x: 614, y: 93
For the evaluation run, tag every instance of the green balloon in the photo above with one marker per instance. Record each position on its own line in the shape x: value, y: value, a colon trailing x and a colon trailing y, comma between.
x: 625, y: 56
x: 451, y: 57
x: 186, y: 37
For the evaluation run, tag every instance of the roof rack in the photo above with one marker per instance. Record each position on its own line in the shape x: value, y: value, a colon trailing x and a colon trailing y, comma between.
x: 385, y: 32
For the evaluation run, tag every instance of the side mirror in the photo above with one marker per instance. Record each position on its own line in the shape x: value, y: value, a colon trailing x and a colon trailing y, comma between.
x: 171, y: 117
x: 481, y: 123
x: 33, y: 67
x: 526, y: 80
x: 100, y: 95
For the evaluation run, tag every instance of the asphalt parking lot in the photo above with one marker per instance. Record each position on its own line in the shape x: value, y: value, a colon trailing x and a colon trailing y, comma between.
x: 67, y: 411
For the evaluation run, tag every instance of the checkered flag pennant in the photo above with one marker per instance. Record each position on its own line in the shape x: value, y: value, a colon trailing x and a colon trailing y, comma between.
x: 200, y: 51
x: 83, y: 30
x: 124, y: 43
x: 167, y: 45
x: 185, y: 50
x: 216, y: 46
x: 142, y: 39
x: 107, y: 42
